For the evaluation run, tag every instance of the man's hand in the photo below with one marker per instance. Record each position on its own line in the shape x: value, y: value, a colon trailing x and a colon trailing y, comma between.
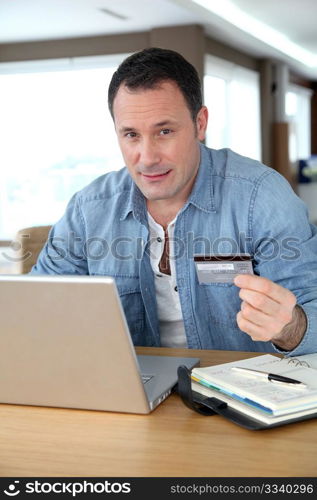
x: 269, y: 312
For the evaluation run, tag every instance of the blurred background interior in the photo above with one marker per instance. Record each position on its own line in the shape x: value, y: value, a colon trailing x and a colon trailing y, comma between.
x: 257, y: 61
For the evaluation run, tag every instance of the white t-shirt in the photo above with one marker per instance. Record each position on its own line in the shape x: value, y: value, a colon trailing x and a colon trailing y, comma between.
x: 172, y: 331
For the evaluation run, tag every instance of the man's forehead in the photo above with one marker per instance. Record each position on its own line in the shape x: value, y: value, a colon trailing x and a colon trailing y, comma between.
x: 155, y: 86
x: 164, y: 90
x: 165, y: 102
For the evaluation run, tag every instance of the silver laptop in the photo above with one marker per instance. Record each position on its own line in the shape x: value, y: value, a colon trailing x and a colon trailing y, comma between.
x: 65, y: 342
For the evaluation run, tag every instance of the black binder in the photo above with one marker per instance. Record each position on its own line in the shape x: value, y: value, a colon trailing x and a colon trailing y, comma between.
x: 214, y: 406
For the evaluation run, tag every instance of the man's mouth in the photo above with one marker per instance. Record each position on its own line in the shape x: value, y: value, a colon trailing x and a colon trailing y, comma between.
x: 156, y: 176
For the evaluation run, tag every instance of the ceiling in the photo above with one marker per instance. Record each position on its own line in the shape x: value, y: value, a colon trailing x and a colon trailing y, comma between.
x: 294, y: 18
x: 31, y: 20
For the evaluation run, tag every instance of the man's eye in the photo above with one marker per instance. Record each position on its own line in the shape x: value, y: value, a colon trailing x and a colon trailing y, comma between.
x: 130, y: 135
x: 165, y: 131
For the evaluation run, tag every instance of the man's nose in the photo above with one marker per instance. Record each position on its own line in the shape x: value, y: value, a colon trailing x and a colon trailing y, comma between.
x: 149, y: 153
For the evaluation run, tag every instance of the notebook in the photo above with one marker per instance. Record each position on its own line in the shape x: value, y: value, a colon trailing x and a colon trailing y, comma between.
x: 65, y: 342
x: 309, y: 360
x: 262, y: 400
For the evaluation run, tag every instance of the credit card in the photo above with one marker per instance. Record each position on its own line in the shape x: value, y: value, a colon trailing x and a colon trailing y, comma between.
x: 222, y: 268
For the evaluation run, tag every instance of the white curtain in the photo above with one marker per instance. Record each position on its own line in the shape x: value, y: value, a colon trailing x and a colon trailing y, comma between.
x: 232, y: 95
x: 56, y: 136
x: 297, y: 108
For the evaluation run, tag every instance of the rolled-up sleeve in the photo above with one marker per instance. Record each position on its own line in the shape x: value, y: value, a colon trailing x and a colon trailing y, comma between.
x: 285, y: 248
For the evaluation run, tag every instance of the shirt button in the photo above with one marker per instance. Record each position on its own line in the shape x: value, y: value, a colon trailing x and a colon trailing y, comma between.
x: 176, y: 289
x: 159, y: 239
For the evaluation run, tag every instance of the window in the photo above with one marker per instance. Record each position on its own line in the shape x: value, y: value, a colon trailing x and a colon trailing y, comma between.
x: 232, y: 95
x: 56, y: 136
x: 297, y: 107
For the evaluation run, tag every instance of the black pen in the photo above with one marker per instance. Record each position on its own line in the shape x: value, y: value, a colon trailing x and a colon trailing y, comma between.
x: 270, y: 377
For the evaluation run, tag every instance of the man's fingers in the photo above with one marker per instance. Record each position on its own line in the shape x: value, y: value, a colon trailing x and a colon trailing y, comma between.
x: 253, y: 315
x: 280, y: 312
x: 263, y: 286
x: 259, y: 301
x: 266, y: 325
x: 246, y: 326
x: 266, y: 307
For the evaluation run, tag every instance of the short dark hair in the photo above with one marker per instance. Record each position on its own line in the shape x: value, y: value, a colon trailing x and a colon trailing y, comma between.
x: 149, y: 67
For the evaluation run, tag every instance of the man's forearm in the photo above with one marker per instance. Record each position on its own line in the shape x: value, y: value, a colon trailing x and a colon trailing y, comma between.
x: 293, y: 332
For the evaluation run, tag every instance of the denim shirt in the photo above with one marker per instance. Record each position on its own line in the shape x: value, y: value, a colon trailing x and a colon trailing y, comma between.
x: 237, y: 205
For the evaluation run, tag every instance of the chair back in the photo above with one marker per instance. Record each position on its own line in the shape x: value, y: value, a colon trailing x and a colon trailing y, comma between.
x: 31, y: 241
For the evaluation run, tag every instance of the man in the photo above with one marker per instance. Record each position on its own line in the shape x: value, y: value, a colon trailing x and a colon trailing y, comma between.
x: 176, y: 198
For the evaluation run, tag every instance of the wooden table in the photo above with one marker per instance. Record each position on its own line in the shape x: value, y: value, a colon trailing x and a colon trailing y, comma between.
x: 171, y: 441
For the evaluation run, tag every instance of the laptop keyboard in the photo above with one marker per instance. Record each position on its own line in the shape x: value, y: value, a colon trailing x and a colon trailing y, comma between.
x: 146, y: 378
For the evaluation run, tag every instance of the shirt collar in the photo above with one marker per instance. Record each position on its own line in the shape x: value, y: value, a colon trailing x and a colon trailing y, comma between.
x: 202, y: 195
x: 135, y: 203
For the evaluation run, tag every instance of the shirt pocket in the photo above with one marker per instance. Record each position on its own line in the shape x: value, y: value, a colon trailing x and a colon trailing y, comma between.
x: 132, y: 303
x: 222, y: 302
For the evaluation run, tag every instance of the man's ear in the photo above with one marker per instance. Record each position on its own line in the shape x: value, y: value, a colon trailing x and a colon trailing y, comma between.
x: 201, y: 123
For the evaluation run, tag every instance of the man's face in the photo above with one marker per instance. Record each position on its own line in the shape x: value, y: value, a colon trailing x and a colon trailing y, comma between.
x: 159, y: 140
